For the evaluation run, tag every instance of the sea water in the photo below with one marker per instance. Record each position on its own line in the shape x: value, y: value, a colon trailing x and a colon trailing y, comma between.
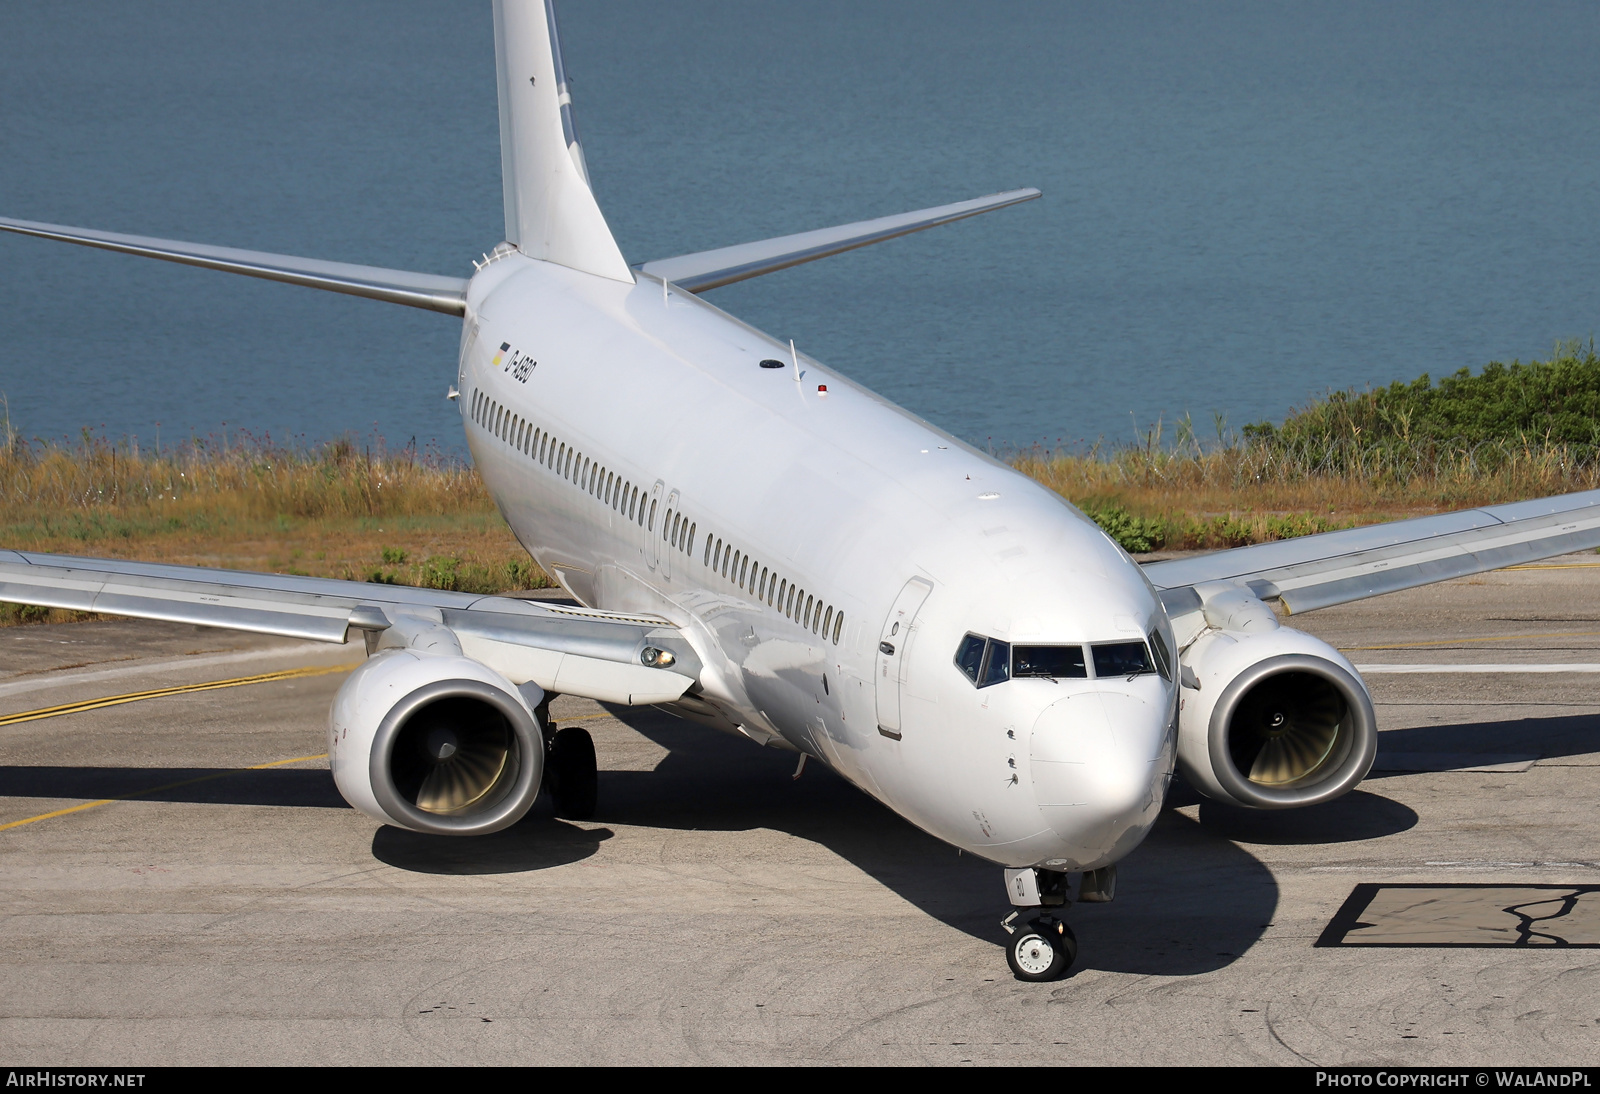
x: 1245, y: 204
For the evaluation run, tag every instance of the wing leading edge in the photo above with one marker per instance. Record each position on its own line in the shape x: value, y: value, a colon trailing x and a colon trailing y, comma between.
x: 1339, y: 567
x: 568, y: 650
x: 712, y: 269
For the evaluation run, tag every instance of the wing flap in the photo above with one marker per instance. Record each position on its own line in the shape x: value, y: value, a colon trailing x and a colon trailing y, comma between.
x: 1339, y: 567
x: 418, y: 290
x: 725, y: 265
x: 576, y: 651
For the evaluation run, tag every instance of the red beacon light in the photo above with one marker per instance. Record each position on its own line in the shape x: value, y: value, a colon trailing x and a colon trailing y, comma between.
x: 822, y: 389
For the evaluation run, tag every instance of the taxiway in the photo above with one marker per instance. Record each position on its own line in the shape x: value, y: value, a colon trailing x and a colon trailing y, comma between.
x: 180, y: 884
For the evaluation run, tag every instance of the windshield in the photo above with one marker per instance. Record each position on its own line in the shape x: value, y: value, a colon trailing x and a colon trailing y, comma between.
x: 1122, y: 659
x: 1055, y: 662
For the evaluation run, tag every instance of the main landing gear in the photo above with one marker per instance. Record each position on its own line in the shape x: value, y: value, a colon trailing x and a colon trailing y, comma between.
x: 570, y: 772
x: 1042, y: 946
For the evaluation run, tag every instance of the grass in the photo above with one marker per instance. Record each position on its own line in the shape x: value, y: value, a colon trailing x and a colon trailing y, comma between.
x: 1505, y: 433
x: 332, y: 511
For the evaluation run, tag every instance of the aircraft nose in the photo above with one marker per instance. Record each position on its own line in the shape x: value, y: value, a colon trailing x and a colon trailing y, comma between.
x: 1099, y: 762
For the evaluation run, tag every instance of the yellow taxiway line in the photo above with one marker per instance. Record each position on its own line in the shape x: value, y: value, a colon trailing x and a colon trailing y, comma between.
x: 181, y: 689
x: 158, y: 789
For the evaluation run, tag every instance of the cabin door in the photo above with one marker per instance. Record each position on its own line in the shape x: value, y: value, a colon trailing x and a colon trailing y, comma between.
x: 894, y: 643
x: 664, y: 542
x: 652, y: 543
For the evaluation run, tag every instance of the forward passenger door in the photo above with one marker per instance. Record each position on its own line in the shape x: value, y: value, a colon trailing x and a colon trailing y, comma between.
x: 893, y: 644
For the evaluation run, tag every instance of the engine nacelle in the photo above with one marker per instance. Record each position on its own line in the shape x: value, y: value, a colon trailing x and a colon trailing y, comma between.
x: 435, y: 743
x: 1280, y: 719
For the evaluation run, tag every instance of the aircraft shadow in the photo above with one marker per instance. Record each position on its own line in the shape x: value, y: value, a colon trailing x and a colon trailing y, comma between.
x: 537, y: 842
x: 1547, y: 738
x: 1190, y: 900
x: 300, y: 788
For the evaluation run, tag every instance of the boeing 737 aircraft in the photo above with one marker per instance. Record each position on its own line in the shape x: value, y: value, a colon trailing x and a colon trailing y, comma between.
x: 821, y: 572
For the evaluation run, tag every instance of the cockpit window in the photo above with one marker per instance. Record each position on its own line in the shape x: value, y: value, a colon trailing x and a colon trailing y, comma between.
x: 997, y: 666
x: 984, y: 661
x: 1163, y: 656
x: 1056, y: 662
x: 969, y: 657
x: 1122, y: 659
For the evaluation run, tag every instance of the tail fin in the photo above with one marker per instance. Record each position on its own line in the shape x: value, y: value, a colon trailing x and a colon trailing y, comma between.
x: 550, y: 211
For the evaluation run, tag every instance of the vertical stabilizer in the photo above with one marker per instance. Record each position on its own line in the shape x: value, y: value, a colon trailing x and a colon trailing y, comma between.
x: 550, y: 211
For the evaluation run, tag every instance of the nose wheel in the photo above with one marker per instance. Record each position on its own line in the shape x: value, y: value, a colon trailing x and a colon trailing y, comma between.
x: 1041, y: 949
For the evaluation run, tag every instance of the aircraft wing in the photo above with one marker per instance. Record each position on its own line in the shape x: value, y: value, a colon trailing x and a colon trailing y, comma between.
x: 567, y: 650
x: 418, y: 290
x: 725, y: 265
x: 1337, y: 567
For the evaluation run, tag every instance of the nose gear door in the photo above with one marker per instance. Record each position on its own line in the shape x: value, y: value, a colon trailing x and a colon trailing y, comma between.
x: 894, y: 642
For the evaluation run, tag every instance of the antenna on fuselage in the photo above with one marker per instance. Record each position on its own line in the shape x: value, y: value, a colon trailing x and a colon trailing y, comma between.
x: 795, y: 357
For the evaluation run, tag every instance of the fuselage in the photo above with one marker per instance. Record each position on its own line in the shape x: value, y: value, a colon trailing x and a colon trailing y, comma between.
x: 831, y: 557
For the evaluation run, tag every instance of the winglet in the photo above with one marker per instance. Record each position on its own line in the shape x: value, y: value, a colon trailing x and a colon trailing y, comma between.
x: 551, y: 213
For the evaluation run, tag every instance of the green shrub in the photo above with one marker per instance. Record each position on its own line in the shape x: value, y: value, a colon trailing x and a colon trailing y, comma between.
x: 1136, y: 535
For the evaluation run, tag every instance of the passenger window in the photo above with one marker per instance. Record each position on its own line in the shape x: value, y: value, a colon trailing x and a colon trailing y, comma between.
x: 969, y: 656
x: 1163, y: 655
x: 1053, y: 662
x: 789, y: 610
x: 710, y: 542
x: 716, y: 556
x: 1122, y: 659
x: 805, y: 616
x: 688, y: 546
x: 761, y: 584
x: 838, y: 625
x: 653, y: 503
x: 997, y: 666
x: 827, y: 620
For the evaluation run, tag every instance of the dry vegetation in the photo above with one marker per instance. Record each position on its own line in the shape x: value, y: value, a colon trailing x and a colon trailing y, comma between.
x: 1503, y: 434
x: 334, y: 511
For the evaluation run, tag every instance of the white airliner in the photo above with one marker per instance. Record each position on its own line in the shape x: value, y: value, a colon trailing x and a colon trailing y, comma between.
x: 767, y: 548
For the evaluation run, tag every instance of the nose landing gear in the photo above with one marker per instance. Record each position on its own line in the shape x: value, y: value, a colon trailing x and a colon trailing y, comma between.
x: 1042, y: 946
x: 1042, y: 949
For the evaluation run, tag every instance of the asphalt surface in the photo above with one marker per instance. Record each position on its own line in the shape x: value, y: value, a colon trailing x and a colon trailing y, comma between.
x: 210, y: 909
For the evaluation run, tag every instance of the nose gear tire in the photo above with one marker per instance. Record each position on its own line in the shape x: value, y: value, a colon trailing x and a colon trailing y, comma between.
x: 1043, y: 950
x: 571, y: 773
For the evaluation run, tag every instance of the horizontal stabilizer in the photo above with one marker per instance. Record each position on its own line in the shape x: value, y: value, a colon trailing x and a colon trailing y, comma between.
x: 711, y: 269
x: 417, y: 290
